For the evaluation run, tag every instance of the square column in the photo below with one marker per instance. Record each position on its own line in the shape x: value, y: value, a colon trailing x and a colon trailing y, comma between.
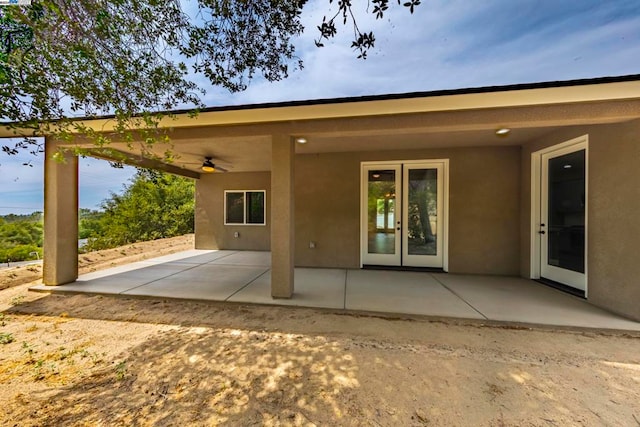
x: 208, y: 211
x: 282, y: 216
x: 60, y: 264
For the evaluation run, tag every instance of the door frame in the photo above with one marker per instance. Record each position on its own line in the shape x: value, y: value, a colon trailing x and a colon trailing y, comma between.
x: 444, y: 163
x: 579, y: 143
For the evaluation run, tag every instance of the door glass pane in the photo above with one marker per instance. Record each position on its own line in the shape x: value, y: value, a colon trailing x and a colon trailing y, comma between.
x: 423, y: 211
x: 381, y: 208
x: 566, y: 211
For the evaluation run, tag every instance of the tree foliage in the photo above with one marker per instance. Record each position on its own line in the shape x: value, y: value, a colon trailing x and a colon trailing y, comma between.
x: 19, y: 239
x: 155, y: 205
x: 137, y: 58
x: 129, y: 58
x: 362, y: 41
x: 89, y: 223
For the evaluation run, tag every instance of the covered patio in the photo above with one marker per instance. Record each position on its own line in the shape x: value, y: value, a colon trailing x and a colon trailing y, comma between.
x: 245, y: 277
x: 536, y: 181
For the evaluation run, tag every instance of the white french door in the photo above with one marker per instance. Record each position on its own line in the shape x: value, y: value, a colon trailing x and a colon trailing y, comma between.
x: 381, y: 219
x: 563, y: 203
x: 403, y: 220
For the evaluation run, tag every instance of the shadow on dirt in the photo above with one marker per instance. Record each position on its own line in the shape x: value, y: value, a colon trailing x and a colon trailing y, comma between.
x: 199, y: 375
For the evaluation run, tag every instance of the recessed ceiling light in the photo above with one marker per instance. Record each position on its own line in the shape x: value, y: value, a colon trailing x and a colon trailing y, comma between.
x: 503, y: 131
x: 301, y: 140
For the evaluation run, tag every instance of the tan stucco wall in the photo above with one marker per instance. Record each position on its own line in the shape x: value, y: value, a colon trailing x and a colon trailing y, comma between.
x: 211, y: 233
x: 613, y: 205
x: 484, y: 204
x: 484, y: 210
x: 327, y: 210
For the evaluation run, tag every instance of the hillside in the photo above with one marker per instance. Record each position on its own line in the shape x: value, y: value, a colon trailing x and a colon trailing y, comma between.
x: 99, y: 260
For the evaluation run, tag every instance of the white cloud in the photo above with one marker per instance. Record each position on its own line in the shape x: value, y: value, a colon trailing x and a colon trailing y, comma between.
x: 456, y: 44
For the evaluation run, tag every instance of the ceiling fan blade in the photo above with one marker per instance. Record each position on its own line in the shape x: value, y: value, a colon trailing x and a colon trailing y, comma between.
x: 221, y: 169
x: 214, y: 158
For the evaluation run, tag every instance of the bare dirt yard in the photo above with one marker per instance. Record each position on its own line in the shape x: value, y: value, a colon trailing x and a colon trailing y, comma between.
x: 112, y: 361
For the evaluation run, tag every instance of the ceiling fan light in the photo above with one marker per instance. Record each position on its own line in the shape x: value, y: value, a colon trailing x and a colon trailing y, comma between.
x: 208, y: 166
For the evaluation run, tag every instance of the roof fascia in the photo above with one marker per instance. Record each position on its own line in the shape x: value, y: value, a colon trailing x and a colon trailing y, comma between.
x: 440, y: 101
x: 346, y: 109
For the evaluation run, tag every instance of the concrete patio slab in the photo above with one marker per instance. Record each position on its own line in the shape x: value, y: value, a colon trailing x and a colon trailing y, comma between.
x: 114, y: 270
x: 403, y: 292
x: 194, y: 256
x: 521, y: 300
x: 314, y: 287
x: 149, y: 272
x: 204, y: 282
x: 119, y: 279
x: 246, y: 258
x: 244, y: 276
x: 112, y: 285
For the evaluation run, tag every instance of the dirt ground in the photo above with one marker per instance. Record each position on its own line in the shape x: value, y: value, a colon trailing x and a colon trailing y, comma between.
x: 113, y: 361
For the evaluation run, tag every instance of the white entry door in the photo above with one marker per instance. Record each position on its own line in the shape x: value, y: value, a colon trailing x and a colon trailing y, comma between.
x: 563, y: 203
x: 403, y: 213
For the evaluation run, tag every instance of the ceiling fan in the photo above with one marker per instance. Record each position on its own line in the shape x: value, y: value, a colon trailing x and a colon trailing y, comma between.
x: 211, y: 165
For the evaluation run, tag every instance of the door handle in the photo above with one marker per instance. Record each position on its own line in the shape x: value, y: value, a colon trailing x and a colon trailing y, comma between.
x: 541, y: 232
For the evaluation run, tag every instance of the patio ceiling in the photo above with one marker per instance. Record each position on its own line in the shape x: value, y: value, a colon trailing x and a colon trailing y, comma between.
x: 253, y: 153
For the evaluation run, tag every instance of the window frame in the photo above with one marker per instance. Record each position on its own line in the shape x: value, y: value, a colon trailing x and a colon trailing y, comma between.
x: 244, y: 207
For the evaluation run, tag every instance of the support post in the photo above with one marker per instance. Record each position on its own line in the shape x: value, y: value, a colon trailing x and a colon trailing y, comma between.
x: 282, y: 216
x: 60, y: 261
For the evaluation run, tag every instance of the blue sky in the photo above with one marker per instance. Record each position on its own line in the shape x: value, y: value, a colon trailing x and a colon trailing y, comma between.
x: 445, y: 44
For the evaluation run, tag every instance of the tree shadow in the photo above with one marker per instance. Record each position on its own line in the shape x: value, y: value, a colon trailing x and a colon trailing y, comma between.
x: 222, y: 363
x: 210, y: 376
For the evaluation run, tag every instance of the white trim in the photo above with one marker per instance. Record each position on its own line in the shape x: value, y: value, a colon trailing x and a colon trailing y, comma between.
x: 445, y: 231
x: 244, y: 208
x: 575, y: 144
x: 534, y: 272
x: 363, y: 194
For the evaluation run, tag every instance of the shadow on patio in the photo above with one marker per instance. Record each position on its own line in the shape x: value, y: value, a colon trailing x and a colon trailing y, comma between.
x: 244, y: 277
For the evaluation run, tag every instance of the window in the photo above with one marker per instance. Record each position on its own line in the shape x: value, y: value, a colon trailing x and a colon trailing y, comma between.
x: 244, y: 207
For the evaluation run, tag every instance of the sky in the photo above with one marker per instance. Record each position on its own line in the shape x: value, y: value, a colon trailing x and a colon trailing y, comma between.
x: 445, y: 44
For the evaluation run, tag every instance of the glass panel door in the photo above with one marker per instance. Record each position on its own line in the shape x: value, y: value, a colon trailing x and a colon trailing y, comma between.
x: 423, y: 219
x: 563, y: 207
x: 382, y: 215
x: 403, y: 214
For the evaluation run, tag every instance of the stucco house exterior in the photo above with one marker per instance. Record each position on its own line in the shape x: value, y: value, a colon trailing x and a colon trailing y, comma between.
x: 538, y: 180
